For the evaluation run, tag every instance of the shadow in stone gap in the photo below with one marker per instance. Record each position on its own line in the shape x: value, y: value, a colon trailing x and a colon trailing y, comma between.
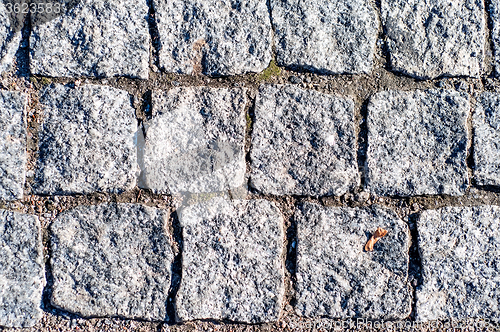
x: 153, y: 31
x: 363, y: 142
x: 291, y: 254
x: 176, y: 270
x: 415, y: 264
x: 41, y: 11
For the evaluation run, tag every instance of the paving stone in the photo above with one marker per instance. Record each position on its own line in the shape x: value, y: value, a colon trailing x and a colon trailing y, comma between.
x: 417, y: 143
x: 12, y: 144
x: 195, y: 141
x: 100, y: 38
x: 336, y: 278
x: 112, y: 260
x: 431, y: 38
x: 460, y: 253
x: 329, y: 37
x: 303, y: 143
x: 486, y: 135
x: 232, y: 261
x: 22, y: 275
x: 87, y: 141
x: 215, y: 38
x: 9, y: 39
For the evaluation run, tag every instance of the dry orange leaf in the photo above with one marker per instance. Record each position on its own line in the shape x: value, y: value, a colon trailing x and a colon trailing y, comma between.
x: 377, y: 235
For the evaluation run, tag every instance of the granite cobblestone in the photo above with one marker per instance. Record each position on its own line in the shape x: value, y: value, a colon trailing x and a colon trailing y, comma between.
x: 12, y: 144
x: 459, y: 251
x: 22, y: 275
x: 96, y: 38
x: 112, y: 260
x: 88, y: 141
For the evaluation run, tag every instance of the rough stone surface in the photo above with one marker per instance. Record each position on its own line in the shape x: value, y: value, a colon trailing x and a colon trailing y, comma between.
x: 336, y: 278
x: 329, y: 37
x: 195, y: 141
x: 22, y: 276
x: 232, y: 261
x: 12, y: 144
x: 417, y: 143
x: 100, y: 38
x: 87, y: 141
x: 214, y: 37
x: 460, y: 253
x: 486, y: 137
x: 112, y: 260
x: 431, y: 38
x: 303, y: 143
x: 9, y: 39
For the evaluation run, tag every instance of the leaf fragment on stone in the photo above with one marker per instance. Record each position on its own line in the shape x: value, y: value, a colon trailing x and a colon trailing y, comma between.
x: 377, y: 235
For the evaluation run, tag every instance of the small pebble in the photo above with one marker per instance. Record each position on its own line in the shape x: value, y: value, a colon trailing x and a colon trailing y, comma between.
x: 462, y: 86
x: 440, y: 84
x: 294, y: 80
x: 363, y: 196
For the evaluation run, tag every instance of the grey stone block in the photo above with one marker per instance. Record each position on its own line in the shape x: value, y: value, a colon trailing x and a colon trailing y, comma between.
x: 87, y: 141
x: 100, y: 38
x: 232, y: 264
x: 214, y: 38
x: 12, y: 144
x: 112, y: 260
x: 417, y: 143
x: 459, y: 250
x: 329, y: 37
x: 22, y: 275
x: 431, y: 38
x: 195, y: 141
x: 10, y: 37
x: 486, y: 122
x: 336, y: 278
x: 303, y: 143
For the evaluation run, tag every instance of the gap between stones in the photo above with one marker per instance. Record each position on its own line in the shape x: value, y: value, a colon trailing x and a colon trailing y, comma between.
x: 489, y: 67
x: 176, y: 269
x: 154, y: 35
